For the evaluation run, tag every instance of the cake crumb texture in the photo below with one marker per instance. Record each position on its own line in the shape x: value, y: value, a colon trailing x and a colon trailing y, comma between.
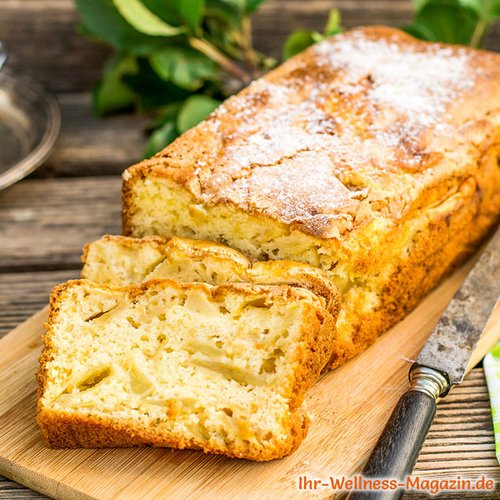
x: 221, y: 368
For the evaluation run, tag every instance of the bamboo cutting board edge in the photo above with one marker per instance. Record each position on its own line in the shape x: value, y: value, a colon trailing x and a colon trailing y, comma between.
x: 352, y: 401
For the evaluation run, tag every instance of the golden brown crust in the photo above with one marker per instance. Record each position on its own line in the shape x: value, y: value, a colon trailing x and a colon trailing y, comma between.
x: 365, y: 124
x: 265, y: 273
x: 66, y: 430
x: 193, y: 248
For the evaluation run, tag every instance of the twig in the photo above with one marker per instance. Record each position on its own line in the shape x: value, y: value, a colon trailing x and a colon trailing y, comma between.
x: 481, y: 26
x: 213, y: 53
x: 250, y: 56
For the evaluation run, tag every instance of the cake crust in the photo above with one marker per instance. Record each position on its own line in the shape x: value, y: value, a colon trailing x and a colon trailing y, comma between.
x: 62, y: 429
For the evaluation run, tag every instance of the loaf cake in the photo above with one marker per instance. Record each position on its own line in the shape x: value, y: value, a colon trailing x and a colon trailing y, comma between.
x: 371, y: 155
x: 217, y: 368
x: 119, y: 260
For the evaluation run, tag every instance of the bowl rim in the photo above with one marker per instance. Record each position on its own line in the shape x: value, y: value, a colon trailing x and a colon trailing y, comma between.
x: 43, y: 148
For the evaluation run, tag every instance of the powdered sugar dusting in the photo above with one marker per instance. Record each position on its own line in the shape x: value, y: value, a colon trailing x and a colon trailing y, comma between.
x: 314, y: 197
x: 317, y: 142
x: 419, y: 84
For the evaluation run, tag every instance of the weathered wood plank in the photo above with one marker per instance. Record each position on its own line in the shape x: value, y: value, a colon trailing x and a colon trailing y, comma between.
x: 44, y: 43
x: 460, y: 441
x: 10, y: 490
x: 23, y: 294
x: 44, y: 223
x: 93, y: 146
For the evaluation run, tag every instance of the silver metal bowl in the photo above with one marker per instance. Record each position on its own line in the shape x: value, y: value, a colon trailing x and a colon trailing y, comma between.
x: 30, y: 121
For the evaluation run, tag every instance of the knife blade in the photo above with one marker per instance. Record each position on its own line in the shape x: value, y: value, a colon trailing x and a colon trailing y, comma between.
x: 442, y: 363
x: 459, y: 329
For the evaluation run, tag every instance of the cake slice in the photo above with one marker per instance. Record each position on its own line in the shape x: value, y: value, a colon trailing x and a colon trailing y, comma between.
x: 220, y: 368
x: 119, y: 260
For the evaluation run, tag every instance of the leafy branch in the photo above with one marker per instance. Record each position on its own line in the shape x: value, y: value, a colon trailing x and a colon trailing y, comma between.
x: 177, y: 60
x: 454, y: 21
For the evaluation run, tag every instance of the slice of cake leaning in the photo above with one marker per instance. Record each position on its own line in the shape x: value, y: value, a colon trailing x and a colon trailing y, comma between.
x: 372, y: 155
x: 221, y: 368
x: 119, y: 260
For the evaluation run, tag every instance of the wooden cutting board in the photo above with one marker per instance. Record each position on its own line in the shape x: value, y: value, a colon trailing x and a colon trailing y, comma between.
x: 349, y: 408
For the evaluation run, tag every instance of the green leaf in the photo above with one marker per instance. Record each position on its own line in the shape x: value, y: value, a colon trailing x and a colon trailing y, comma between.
x: 229, y: 11
x: 191, y: 12
x: 165, y: 9
x: 495, y: 8
x: 253, y: 5
x: 111, y: 94
x: 445, y: 23
x: 476, y: 5
x: 298, y: 41
x: 420, y: 31
x: 236, y: 6
x: 184, y: 66
x: 333, y: 26
x: 101, y: 19
x: 143, y: 20
x: 195, y: 109
x: 161, y: 138
x: 168, y: 113
x: 418, y: 4
x: 83, y: 30
x: 152, y: 91
x: 485, y: 9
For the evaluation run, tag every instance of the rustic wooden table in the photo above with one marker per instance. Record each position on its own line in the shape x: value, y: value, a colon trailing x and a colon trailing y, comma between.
x: 75, y: 196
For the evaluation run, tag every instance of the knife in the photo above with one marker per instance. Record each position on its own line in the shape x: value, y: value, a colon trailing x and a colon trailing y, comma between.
x: 441, y: 364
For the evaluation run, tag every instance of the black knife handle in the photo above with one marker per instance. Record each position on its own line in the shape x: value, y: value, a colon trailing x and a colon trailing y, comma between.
x: 397, y: 449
